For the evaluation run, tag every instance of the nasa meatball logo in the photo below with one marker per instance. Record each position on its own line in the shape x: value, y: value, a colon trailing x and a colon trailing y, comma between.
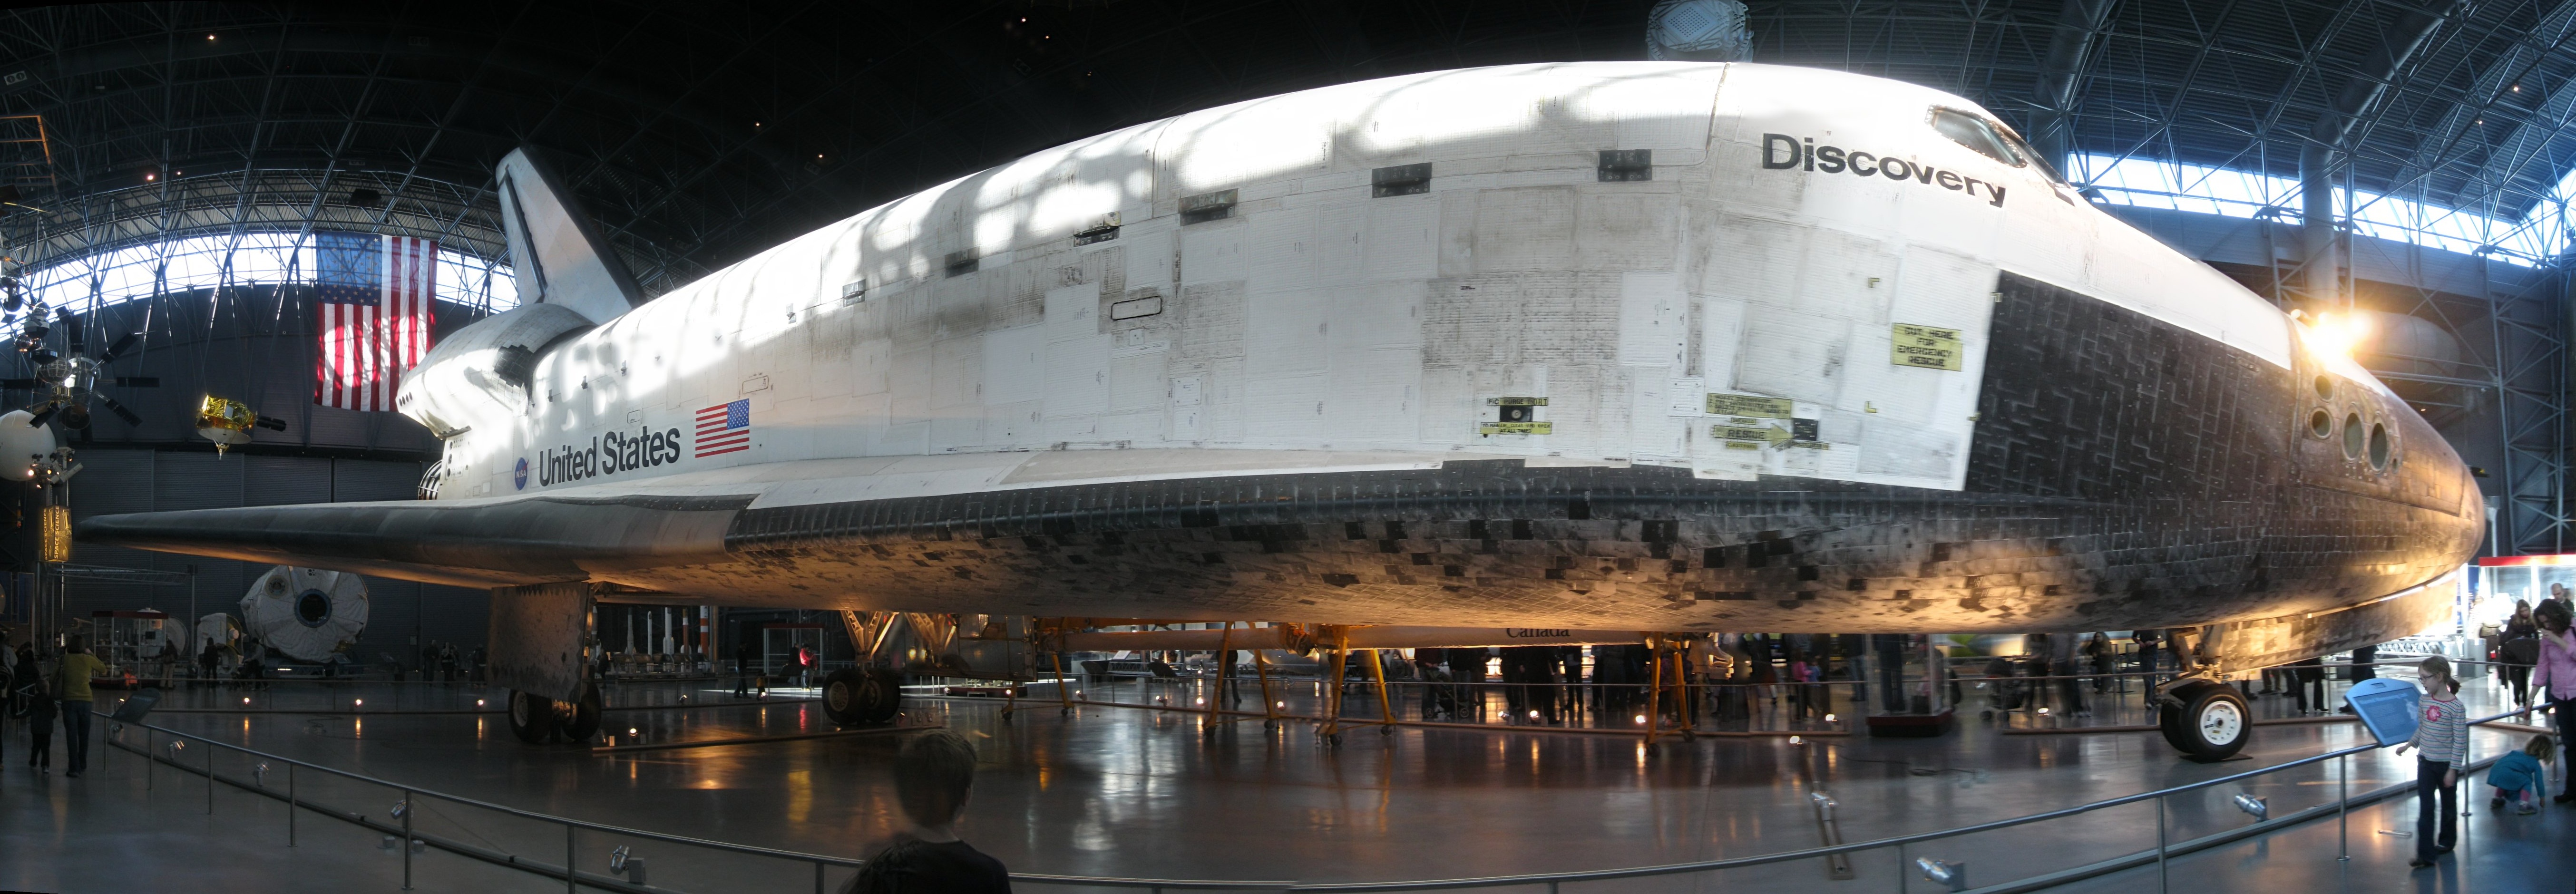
x: 519, y: 475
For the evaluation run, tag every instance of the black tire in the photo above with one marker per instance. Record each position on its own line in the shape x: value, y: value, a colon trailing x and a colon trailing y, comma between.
x: 577, y: 721
x: 862, y: 696
x: 2206, y: 721
x: 532, y: 719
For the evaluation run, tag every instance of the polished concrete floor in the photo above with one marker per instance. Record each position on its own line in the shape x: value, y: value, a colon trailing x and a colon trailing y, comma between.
x: 1142, y: 793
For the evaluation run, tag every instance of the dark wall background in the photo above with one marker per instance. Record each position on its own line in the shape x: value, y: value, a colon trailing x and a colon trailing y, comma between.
x: 256, y: 344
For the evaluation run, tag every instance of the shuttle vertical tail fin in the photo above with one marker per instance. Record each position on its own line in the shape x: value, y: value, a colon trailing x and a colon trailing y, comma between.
x: 560, y: 255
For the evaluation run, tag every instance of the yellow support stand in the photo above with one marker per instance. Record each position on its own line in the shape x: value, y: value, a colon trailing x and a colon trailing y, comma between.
x: 1385, y: 708
x: 1224, y: 650
x: 1063, y: 690
x: 1654, y: 694
x: 1332, y: 730
x: 1269, y: 702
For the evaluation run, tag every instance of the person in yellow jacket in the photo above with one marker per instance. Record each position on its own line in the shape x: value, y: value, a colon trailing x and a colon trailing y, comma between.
x: 78, y: 666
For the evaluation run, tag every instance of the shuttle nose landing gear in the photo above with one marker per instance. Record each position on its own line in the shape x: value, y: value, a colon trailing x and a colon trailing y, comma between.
x: 862, y: 696
x: 2207, y: 721
x: 537, y: 720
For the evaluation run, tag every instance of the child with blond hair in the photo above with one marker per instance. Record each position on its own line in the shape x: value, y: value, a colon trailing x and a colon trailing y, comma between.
x: 2518, y: 776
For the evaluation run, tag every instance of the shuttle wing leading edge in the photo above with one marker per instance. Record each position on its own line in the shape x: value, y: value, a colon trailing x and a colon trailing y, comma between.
x: 536, y: 540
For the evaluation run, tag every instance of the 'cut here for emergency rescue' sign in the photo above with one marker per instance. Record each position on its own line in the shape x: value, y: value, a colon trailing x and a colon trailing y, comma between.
x: 1926, y: 347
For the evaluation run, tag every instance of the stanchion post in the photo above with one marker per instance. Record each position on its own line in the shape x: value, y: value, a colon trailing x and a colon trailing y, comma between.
x: 290, y: 805
x: 210, y: 778
x: 2161, y: 878
x: 818, y: 877
x: 408, y: 809
x: 569, y: 832
x: 2343, y: 808
x: 147, y: 762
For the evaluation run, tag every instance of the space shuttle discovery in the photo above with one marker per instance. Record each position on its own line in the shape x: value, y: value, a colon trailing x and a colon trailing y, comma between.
x: 1668, y: 347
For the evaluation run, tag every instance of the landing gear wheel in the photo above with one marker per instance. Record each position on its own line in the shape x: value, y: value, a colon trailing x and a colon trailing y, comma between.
x: 2206, y: 721
x: 862, y: 696
x: 577, y: 721
x: 532, y: 719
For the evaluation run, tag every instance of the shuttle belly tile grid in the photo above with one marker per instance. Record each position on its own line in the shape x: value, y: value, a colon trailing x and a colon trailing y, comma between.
x: 2124, y: 473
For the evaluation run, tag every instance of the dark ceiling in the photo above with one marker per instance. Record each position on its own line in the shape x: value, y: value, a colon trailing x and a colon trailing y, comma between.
x: 700, y: 133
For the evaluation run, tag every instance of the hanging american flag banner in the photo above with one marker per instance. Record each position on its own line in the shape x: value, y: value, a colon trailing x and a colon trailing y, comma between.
x: 372, y: 293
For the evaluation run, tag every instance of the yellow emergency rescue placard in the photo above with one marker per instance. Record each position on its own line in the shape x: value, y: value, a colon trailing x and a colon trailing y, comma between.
x: 1749, y: 405
x: 1765, y: 434
x: 1516, y: 428
x: 1927, y: 347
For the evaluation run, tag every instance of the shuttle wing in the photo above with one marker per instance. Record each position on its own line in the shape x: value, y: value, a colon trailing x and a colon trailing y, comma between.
x: 530, y: 540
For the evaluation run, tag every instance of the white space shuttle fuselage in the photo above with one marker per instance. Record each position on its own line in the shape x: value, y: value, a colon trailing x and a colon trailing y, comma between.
x: 1662, y: 345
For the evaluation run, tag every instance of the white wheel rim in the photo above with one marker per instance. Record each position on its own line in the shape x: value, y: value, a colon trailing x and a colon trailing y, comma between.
x: 2221, y: 722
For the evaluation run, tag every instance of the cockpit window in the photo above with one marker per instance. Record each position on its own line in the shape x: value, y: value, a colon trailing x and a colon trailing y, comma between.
x: 1974, y: 133
x: 1991, y: 140
x: 2036, y: 160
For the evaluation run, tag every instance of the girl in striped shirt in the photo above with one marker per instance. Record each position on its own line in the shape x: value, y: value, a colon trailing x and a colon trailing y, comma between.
x: 2443, y: 734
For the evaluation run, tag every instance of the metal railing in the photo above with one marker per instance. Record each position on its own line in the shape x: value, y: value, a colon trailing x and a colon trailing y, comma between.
x: 413, y: 841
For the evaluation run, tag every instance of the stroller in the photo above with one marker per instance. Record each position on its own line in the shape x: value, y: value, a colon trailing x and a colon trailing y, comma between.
x: 2005, y: 690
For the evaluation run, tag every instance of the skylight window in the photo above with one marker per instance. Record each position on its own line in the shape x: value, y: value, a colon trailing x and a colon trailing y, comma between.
x: 258, y: 258
x: 2150, y: 183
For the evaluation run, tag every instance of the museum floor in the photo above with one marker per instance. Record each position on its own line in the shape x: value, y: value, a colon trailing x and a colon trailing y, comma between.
x: 1141, y: 793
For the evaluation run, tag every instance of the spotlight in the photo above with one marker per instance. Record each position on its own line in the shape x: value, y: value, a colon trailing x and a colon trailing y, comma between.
x: 2043, y: 712
x: 1641, y: 719
x: 245, y: 699
x: 1533, y: 715
x: 1797, y: 740
x: 630, y: 731
x: 1937, y: 872
x: 1829, y: 718
x: 358, y: 704
x: 1198, y: 701
x: 2258, y: 808
x: 477, y: 702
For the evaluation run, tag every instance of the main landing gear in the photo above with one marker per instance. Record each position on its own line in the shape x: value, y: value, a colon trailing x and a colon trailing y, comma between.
x: 862, y: 696
x: 537, y: 720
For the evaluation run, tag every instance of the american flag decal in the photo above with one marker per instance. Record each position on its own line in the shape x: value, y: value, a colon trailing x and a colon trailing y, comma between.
x: 372, y: 295
x: 724, y: 428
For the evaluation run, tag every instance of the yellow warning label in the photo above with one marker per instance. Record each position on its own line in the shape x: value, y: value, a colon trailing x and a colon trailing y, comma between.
x: 1749, y: 405
x: 1765, y: 434
x: 1926, y: 347
x: 1515, y: 401
x: 1516, y: 428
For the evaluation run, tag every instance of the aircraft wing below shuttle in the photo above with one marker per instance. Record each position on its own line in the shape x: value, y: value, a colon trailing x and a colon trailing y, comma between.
x: 541, y: 539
